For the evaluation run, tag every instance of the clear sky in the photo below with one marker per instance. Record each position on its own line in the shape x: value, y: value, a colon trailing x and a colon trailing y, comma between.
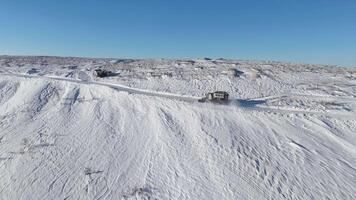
x: 312, y: 31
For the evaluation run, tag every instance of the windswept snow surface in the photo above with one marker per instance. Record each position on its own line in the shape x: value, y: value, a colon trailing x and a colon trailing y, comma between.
x: 288, y: 132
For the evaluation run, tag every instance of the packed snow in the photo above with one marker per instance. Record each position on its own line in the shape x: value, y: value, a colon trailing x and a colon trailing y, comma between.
x: 287, y: 132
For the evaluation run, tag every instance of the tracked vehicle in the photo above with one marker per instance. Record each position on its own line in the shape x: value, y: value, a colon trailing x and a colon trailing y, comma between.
x: 102, y: 73
x: 217, y: 96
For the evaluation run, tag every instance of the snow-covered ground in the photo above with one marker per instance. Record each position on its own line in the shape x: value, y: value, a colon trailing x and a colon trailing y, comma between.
x: 288, y: 132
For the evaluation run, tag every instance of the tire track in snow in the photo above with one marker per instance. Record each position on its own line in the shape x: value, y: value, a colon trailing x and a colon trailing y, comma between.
x: 115, y: 86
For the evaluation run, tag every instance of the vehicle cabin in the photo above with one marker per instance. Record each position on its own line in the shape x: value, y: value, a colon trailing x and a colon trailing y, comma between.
x: 218, y: 96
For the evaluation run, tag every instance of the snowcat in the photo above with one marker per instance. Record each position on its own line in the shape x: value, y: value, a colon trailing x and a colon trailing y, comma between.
x: 218, y: 96
x: 103, y: 73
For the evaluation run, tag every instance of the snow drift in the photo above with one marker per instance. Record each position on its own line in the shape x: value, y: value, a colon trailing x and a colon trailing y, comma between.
x: 288, y: 132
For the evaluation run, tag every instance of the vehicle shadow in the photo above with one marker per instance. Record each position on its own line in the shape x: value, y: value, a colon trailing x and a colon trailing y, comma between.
x: 244, y: 103
x: 111, y: 74
x: 248, y: 103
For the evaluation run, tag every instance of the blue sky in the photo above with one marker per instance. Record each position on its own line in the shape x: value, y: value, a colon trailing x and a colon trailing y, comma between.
x: 312, y: 31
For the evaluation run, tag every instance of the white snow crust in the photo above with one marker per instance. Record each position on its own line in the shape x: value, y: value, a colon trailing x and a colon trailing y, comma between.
x: 288, y: 131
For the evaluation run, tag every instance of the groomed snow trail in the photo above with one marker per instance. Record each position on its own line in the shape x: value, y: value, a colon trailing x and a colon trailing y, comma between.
x: 63, y: 138
x: 247, y: 104
x: 118, y: 87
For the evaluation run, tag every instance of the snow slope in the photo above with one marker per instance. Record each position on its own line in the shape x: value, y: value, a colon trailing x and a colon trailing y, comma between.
x: 289, y: 131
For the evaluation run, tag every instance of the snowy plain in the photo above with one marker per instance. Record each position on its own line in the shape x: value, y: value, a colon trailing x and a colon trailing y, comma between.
x: 288, y: 131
